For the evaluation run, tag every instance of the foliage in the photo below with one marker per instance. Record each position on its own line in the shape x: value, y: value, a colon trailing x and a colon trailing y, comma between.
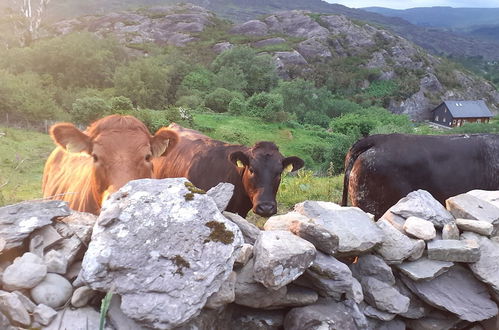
x: 28, y: 97
x: 265, y: 105
x: 145, y: 81
x: 238, y: 106
x: 232, y: 79
x: 199, y: 80
x: 104, y: 308
x: 257, y: 70
x: 220, y: 98
x: 88, y: 109
x: 492, y: 127
x: 118, y: 103
x: 155, y: 119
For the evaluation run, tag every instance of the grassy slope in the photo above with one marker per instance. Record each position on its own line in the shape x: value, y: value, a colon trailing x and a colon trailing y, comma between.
x: 22, y: 156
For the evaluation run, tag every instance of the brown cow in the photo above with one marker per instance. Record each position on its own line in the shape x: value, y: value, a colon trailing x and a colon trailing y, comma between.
x: 255, y: 172
x: 86, y: 167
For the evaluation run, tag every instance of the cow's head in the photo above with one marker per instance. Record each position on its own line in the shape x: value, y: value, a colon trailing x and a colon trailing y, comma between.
x: 120, y: 149
x: 261, y: 168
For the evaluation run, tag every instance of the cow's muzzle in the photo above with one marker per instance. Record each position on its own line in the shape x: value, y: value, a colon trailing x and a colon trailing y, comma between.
x: 266, y: 209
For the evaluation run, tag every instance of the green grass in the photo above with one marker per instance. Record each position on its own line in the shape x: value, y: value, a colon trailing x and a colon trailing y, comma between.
x: 22, y: 156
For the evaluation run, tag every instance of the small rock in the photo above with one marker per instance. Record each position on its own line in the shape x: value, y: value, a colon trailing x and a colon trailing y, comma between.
x: 42, y: 239
x: 375, y: 313
x: 384, y: 296
x: 5, y: 323
x: 453, y: 250
x: 395, y: 220
x: 420, y: 228
x: 424, y: 268
x: 25, y: 273
x: 225, y: 295
x: 73, y: 271
x: 13, y: 308
x: 356, y: 294
x: 374, y: 266
x: 245, y: 255
x: 268, y: 42
x: 281, y: 257
x: 480, y: 227
x: 469, y: 207
x: 396, y: 247
x: 43, y: 314
x: 222, y: 47
x: 249, y: 230
x: 78, y: 319
x: 221, y: 194
x: 450, y: 231
x: 27, y: 303
x: 54, y: 291
x: 247, y: 318
x: 56, y: 262
x: 81, y: 296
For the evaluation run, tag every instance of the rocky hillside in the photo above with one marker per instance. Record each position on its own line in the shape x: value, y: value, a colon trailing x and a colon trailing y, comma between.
x: 303, y: 43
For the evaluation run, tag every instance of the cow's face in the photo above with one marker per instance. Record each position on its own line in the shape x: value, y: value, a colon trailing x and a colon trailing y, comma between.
x: 261, y: 168
x: 117, y: 155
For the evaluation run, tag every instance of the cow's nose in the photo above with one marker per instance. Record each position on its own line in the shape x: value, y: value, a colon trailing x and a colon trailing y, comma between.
x: 266, y: 209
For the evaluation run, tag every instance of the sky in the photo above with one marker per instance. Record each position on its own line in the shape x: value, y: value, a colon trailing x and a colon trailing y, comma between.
x: 397, y: 4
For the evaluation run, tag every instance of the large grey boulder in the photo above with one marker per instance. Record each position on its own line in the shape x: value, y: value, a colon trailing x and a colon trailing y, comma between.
x: 250, y: 231
x: 336, y: 275
x: 221, y: 194
x: 421, y: 204
x: 296, y: 23
x: 470, y: 207
x: 225, y: 295
x: 486, y: 268
x: 251, y: 28
x: 17, y: 221
x: 454, y: 250
x: 458, y: 292
x: 308, y: 229
x: 373, y: 266
x: 424, y: 268
x: 325, y: 314
x: 314, y: 49
x: 280, y: 257
x: 25, y: 273
x: 384, y: 296
x: 397, y: 247
x: 184, y: 250
x: 356, y: 231
x: 491, y: 196
x: 417, y: 308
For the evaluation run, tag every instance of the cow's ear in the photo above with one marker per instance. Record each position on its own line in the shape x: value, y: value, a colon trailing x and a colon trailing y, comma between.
x: 239, y: 158
x: 70, y: 138
x: 163, y: 141
x: 292, y: 163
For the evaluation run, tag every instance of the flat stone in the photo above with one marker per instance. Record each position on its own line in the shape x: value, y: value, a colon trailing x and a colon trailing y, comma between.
x: 417, y: 308
x: 378, y: 314
x: 247, y: 318
x: 251, y: 28
x: 396, y: 247
x: 249, y: 230
x: 54, y: 291
x: 281, y: 257
x: 27, y: 303
x: 469, y: 207
x: 421, y: 204
x: 25, y: 273
x: 480, y: 227
x: 486, y: 268
x: 81, y: 296
x: 5, y: 323
x: 42, y: 239
x: 13, y: 308
x: 355, y: 293
x: 373, y: 266
x: 356, y: 231
x: 244, y: 255
x: 221, y: 194
x: 306, y: 228
x: 453, y: 250
x: 458, y: 292
x: 297, y: 296
x: 424, y: 268
x: 225, y: 295
x: 491, y: 196
x: 18, y: 221
x: 436, y: 320
x: 395, y: 220
x: 43, y: 314
x: 450, y: 231
x: 358, y: 316
x: 384, y: 296
x: 75, y: 319
x: 56, y: 262
x: 420, y: 228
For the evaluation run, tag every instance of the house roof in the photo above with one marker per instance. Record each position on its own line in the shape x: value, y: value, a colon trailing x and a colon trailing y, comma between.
x: 468, y: 109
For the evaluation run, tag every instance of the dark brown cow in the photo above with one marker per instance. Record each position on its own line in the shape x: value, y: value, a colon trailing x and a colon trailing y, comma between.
x: 382, y: 169
x: 255, y: 172
x: 88, y: 166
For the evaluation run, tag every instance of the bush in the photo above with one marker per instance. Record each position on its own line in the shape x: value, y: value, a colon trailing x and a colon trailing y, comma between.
x: 220, y: 98
x: 190, y: 101
x: 238, y: 106
x: 121, y: 103
x: 265, y: 105
x: 88, y: 109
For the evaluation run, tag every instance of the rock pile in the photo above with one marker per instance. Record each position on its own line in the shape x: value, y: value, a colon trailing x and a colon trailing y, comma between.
x: 174, y: 260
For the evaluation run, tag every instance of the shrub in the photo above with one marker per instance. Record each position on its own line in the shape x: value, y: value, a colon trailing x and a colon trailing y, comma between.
x: 238, y: 106
x: 265, y: 105
x: 121, y: 103
x: 220, y: 98
x: 89, y: 109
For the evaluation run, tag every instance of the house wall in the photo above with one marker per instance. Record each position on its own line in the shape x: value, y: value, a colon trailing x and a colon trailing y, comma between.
x: 456, y: 122
x: 442, y: 116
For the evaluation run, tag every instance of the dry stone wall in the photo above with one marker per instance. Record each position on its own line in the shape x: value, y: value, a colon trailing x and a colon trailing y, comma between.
x: 174, y: 260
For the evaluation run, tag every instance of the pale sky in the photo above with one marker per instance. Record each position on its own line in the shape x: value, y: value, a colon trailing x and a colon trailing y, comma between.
x: 397, y: 4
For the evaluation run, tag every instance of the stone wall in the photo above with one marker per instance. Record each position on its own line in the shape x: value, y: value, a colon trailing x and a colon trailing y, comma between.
x: 174, y: 260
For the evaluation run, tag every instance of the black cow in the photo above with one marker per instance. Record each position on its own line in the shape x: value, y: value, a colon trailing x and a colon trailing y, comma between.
x: 382, y: 169
x: 255, y: 172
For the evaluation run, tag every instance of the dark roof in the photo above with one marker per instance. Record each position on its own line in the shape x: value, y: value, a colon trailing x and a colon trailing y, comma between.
x: 468, y: 109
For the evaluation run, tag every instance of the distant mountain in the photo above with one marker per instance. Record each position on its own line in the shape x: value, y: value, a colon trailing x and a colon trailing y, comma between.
x: 433, y: 40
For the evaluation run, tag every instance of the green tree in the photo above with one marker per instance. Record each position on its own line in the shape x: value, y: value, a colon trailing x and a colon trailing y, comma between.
x: 258, y: 70
x: 89, y: 109
x: 121, y: 103
x: 199, y: 81
x: 268, y: 106
x: 220, y: 98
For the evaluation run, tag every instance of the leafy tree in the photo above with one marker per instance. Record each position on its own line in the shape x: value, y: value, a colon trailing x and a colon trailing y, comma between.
x: 144, y: 81
x: 267, y: 106
x: 89, y: 109
x: 232, y: 79
x: 121, y: 103
x: 238, y: 106
x: 258, y: 70
x: 198, y: 81
x: 220, y: 98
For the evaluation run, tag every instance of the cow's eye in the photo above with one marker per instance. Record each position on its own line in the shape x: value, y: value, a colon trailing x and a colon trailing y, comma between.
x: 251, y: 170
x: 148, y: 157
x: 94, y: 156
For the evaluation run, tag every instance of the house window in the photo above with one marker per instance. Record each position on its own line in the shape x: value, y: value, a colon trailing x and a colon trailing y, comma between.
x: 445, y: 110
x: 454, y: 122
x: 444, y: 119
x: 436, y: 118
